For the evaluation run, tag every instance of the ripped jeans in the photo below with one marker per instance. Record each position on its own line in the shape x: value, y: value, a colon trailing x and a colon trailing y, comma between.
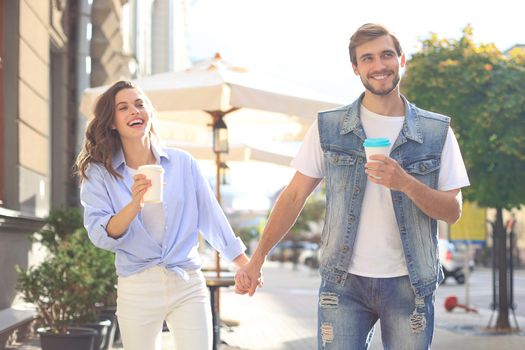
x: 347, y: 314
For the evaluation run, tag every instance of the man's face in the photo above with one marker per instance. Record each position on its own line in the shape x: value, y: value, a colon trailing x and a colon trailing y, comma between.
x: 378, y: 65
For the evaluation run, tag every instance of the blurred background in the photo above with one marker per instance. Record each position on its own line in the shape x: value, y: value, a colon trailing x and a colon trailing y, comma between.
x: 53, y: 54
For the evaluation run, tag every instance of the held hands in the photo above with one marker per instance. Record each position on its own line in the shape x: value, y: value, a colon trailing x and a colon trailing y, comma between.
x: 248, y: 278
x: 387, y: 172
x: 139, y: 187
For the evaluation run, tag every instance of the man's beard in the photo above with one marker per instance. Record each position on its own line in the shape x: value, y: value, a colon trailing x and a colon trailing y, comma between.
x: 383, y: 92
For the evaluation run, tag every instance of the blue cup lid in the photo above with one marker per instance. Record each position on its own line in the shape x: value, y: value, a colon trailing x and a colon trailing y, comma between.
x: 376, y: 142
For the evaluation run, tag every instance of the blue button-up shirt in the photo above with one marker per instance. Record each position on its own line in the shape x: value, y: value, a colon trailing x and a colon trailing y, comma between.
x: 189, y: 207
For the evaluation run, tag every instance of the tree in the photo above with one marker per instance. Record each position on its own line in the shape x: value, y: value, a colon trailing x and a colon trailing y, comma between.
x: 482, y: 89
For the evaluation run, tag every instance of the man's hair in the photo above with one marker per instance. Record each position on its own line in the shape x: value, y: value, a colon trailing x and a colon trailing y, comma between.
x: 368, y: 32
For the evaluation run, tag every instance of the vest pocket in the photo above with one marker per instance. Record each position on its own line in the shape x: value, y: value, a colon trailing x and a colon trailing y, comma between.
x: 422, y: 166
x: 340, y: 158
x: 339, y: 166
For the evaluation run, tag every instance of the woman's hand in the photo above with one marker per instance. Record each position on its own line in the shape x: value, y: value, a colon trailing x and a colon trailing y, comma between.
x: 119, y: 223
x: 139, y: 187
x: 248, y: 278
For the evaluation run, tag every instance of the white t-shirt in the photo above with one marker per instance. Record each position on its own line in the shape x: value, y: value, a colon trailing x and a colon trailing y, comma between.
x: 152, y: 216
x: 378, y: 251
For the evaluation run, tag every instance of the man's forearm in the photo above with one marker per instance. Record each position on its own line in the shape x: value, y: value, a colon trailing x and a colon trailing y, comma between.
x: 282, y: 218
x: 439, y: 205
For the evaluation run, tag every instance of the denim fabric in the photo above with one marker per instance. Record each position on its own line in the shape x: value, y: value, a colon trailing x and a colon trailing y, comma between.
x: 418, y: 150
x: 348, y: 313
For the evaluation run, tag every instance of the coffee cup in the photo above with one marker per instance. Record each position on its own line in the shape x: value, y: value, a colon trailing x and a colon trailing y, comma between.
x: 154, y: 173
x: 373, y: 146
x: 378, y: 145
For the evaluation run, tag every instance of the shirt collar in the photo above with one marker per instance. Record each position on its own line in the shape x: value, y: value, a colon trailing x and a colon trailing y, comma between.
x: 411, y: 126
x: 158, y: 152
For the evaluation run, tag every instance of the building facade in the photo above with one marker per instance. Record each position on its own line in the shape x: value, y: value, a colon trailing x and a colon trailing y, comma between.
x: 45, y: 65
x: 154, y: 33
x: 50, y: 51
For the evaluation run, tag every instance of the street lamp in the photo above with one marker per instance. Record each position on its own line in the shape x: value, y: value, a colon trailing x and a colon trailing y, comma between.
x: 225, y: 173
x: 220, y: 145
x: 220, y: 135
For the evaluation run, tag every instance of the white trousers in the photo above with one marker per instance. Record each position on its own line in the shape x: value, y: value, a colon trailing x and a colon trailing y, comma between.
x: 149, y: 297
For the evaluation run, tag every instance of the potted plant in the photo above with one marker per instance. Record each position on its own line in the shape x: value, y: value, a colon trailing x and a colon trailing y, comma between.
x: 68, y: 284
x: 101, y: 266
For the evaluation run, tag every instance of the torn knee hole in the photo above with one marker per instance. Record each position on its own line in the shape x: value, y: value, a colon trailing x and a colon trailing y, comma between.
x: 418, y: 322
x: 328, y: 300
x: 327, y: 333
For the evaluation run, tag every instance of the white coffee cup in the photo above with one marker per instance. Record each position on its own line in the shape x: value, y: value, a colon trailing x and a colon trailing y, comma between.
x: 378, y: 145
x: 154, y: 173
x: 373, y: 146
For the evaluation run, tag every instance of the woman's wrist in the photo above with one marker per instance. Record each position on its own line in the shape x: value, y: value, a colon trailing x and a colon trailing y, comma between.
x: 118, y: 224
x: 241, y: 260
x: 134, y: 207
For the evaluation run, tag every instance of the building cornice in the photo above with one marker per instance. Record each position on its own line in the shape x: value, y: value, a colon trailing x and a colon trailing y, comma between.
x: 13, y: 221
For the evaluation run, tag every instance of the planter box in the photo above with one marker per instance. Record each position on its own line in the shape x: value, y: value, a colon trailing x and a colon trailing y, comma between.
x: 77, y: 338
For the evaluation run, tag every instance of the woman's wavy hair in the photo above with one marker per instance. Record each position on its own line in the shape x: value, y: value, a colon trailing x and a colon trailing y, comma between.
x: 101, y: 140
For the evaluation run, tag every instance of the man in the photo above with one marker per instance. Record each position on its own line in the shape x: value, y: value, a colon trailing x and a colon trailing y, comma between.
x: 379, y: 242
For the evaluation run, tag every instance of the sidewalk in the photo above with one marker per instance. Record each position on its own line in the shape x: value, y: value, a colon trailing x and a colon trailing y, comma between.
x: 282, y: 316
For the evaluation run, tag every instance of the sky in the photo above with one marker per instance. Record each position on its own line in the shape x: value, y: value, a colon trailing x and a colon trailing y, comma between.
x: 306, y: 42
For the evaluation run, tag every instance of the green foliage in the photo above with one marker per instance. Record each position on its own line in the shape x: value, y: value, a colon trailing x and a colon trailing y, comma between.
x: 248, y: 233
x: 482, y: 90
x: 76, y: 275
x: 60, y: 224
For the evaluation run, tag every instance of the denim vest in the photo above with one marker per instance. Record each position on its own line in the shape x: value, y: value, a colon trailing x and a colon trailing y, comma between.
x: 418, y: 150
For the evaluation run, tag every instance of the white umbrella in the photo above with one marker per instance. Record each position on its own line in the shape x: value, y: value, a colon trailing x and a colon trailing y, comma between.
x: 237, y: 152
x: 216, y: 85
x: 216, y: 88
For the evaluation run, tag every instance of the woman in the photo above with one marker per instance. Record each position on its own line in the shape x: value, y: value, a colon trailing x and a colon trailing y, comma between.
x: 155, y: 244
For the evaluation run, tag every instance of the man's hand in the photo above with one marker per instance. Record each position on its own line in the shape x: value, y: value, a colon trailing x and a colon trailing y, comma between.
x: 248, y: 278
x: 387, y: 172
x: 439, y: 205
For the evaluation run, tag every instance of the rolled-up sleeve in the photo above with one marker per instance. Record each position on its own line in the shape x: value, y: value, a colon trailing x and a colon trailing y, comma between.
x: 98, y: 210
x: 212, y: 222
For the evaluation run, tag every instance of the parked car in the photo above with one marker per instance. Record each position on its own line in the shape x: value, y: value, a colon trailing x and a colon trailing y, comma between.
x: 310, y: 256
x: 290, y: 250
x: 452, y: 257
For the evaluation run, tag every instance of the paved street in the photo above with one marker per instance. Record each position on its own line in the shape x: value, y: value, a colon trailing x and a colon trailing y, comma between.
x: 282, y: 315
x: 481, y: 289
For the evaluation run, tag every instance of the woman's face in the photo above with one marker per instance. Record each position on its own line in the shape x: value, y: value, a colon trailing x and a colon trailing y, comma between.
x: 132, y: 114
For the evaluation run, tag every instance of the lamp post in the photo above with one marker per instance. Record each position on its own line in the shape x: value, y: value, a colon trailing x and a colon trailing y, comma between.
x: 220, y: 145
